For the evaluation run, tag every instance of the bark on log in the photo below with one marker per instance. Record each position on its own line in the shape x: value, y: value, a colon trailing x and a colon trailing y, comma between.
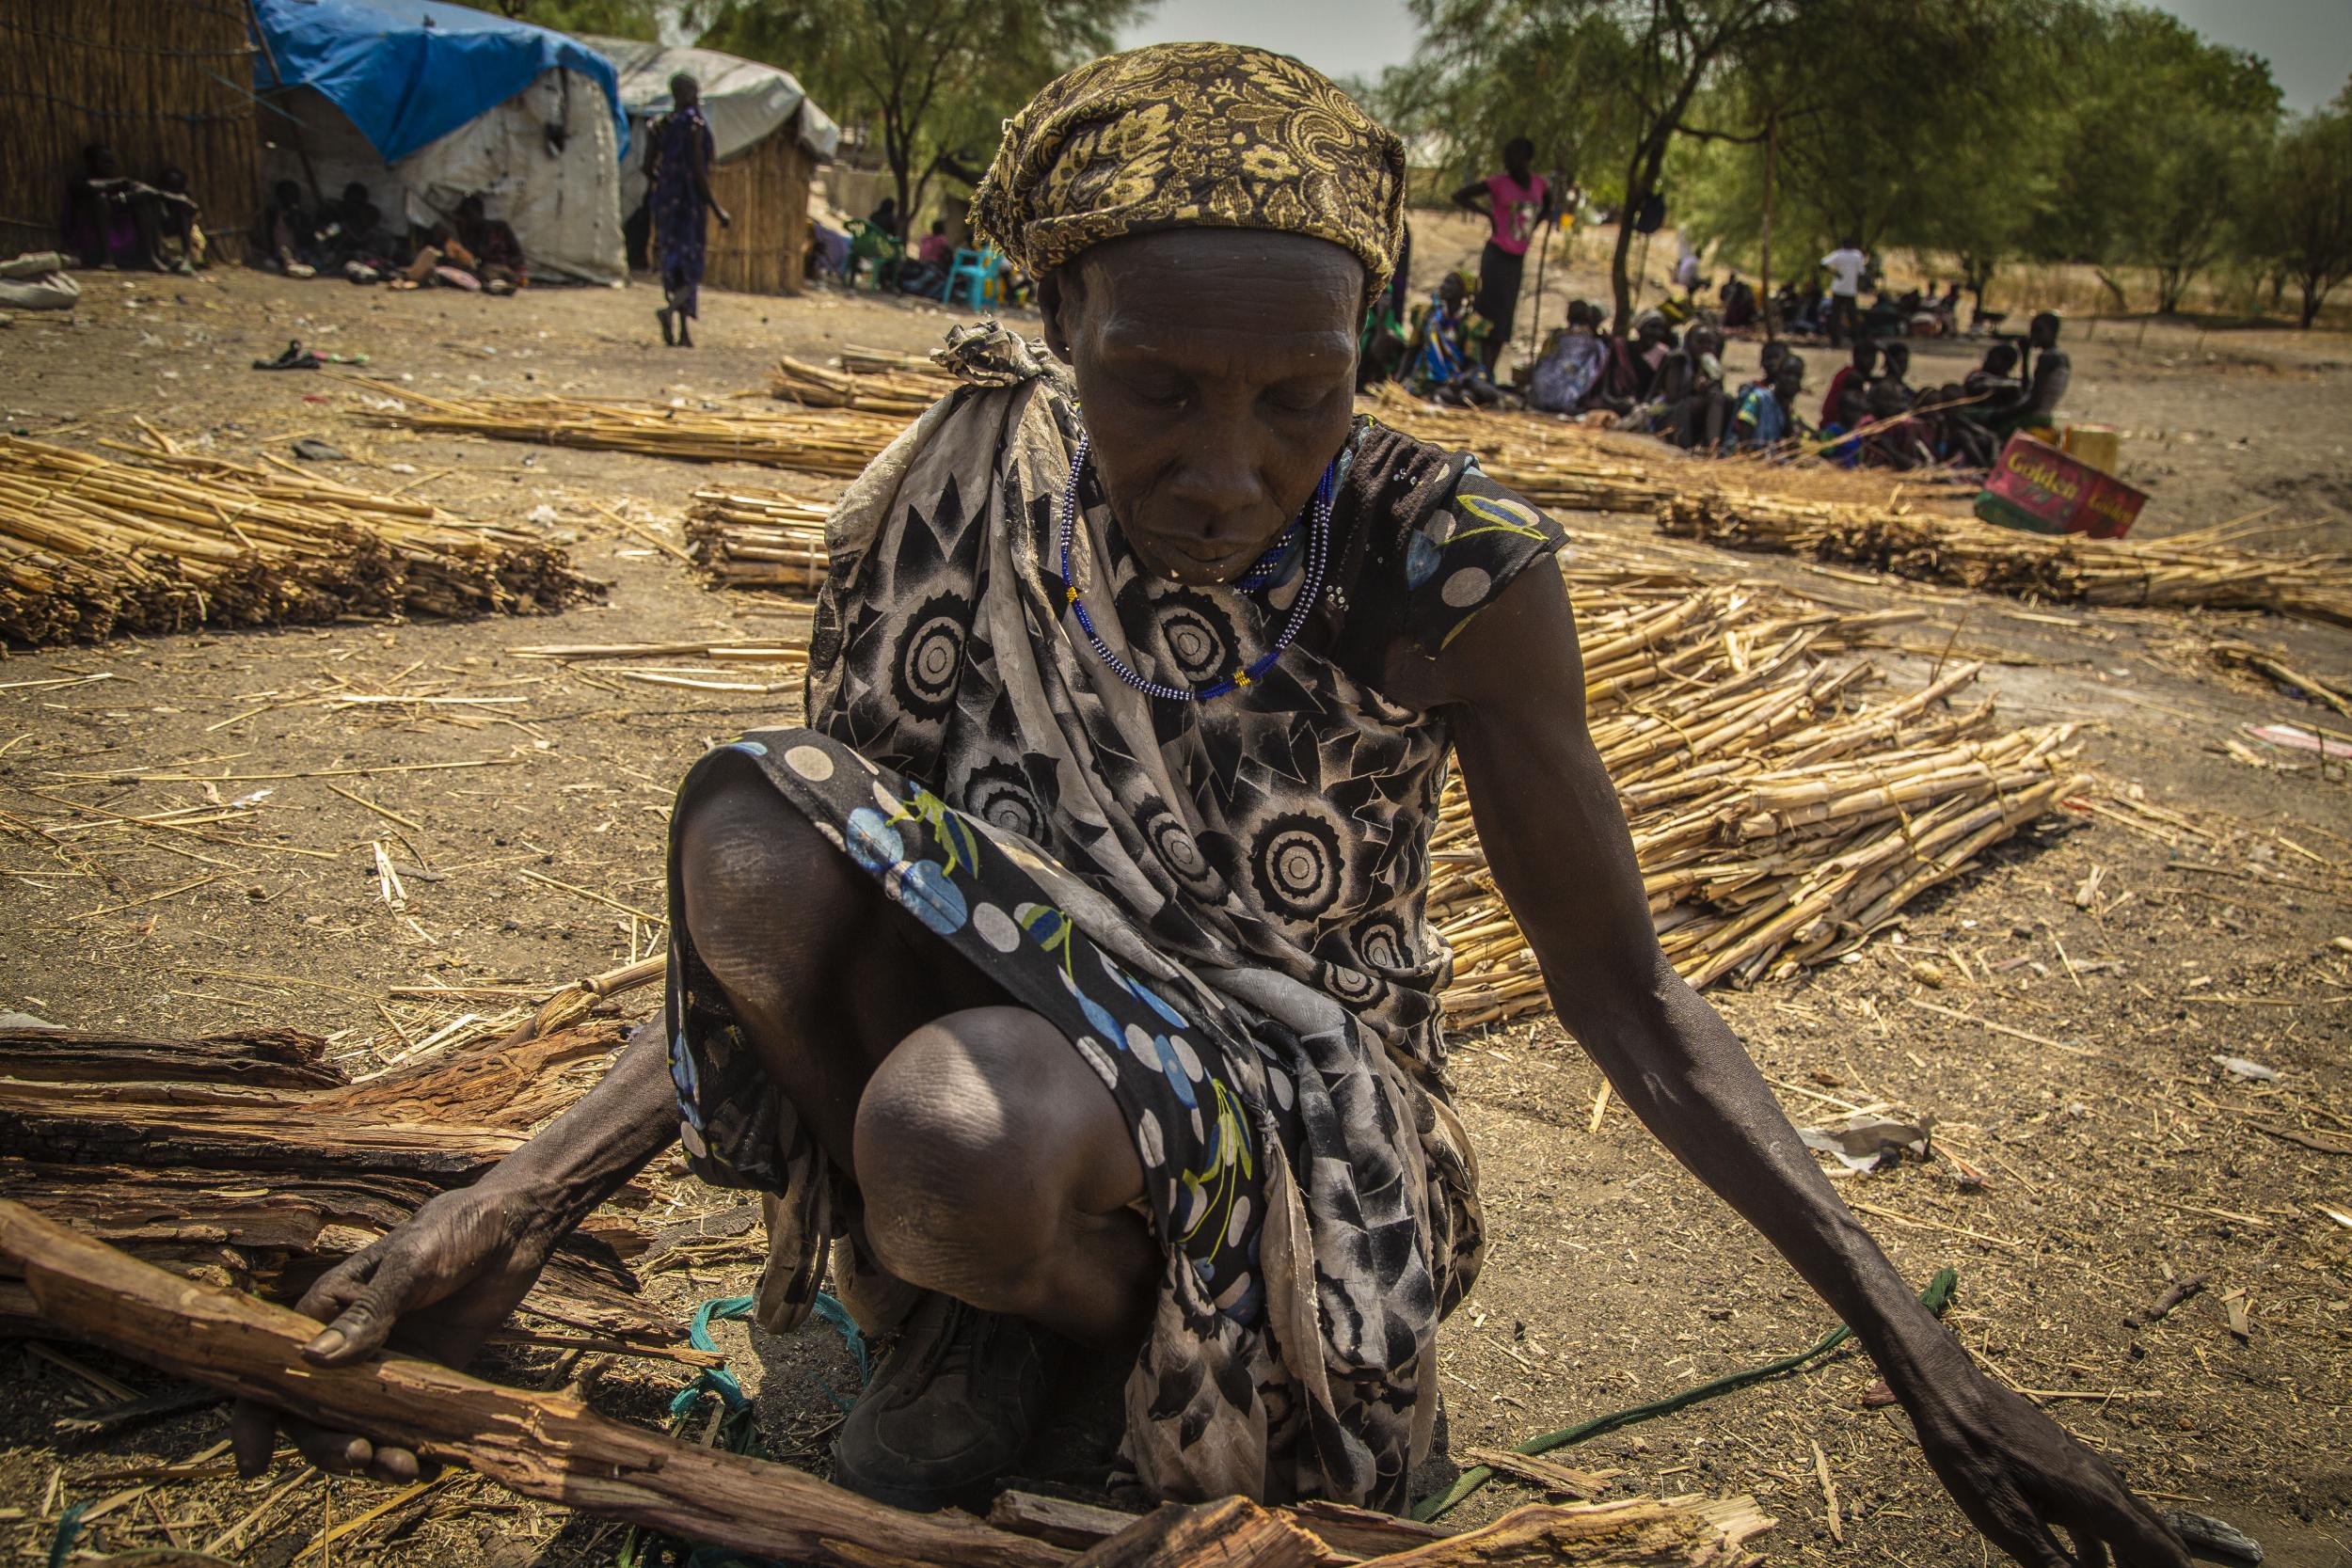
x: 512, y: 1085
x: 1231, y: 1532
x: 542, y: 1446
x: 220, y: 1128
x: 1641, y: 1532
x: 264, y: 1058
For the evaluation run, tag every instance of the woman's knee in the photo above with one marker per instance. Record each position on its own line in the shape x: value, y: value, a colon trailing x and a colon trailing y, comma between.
x: 758, y: 879
x: 976, y: 1139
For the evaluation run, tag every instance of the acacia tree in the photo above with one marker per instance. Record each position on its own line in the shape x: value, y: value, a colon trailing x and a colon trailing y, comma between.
x: 2171, y: 201
x: 934, y: 77
x: 1604, y: 88
x: 2305, y: 226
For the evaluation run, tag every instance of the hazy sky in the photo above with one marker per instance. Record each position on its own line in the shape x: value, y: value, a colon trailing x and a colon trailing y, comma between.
x: 2307, y: 42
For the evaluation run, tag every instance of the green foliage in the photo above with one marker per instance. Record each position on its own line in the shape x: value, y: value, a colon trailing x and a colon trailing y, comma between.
x: 616, y: 19
x: 2154, y: 155
x: 2304, y: 222
x: 1985, y: 130
x: 932, y: 80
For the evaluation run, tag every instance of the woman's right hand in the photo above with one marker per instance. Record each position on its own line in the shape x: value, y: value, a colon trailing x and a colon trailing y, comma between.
x: 437, y: 1287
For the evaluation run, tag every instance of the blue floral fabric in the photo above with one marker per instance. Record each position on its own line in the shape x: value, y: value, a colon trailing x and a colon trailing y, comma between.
x: 1180, y: 1062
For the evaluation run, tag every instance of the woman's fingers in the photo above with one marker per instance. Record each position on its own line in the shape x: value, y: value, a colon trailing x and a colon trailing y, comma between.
x: 366, y: 1318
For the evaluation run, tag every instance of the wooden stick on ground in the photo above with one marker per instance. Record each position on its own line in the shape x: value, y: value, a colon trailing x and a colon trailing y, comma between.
x: 556, y: 1449
x: 540, y: 1445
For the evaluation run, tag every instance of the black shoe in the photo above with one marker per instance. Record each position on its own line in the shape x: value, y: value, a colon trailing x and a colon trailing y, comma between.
x: 950, y: 1409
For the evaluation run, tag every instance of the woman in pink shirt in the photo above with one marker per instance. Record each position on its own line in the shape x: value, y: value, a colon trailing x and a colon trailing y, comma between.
x: 1513, y: 203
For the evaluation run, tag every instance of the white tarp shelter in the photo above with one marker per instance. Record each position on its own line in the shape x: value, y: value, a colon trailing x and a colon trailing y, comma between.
x: 426, y: 102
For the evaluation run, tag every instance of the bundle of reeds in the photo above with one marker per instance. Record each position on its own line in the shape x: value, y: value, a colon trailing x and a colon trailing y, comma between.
x: 866, y: 384
x: 759, y: 539
x: 90, y: 548
x: 2203, y: 568
x: 839, y: 442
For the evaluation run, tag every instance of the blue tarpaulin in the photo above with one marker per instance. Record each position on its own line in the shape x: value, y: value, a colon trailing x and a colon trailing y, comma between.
x: 408, y: 71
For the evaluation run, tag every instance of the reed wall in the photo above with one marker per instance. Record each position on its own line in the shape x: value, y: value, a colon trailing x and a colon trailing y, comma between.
x: 162, y: 82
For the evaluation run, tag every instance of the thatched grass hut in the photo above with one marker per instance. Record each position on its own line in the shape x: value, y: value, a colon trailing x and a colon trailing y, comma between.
x: 162, y: 82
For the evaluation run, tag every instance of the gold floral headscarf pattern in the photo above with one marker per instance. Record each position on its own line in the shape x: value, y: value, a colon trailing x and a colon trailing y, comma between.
x: 1181, y: 135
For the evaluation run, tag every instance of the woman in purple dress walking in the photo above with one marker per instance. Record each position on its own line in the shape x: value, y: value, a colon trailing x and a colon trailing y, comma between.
x: 681, y: 190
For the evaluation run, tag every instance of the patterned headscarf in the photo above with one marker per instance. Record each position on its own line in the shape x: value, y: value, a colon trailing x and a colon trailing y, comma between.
x: 1192, y: 136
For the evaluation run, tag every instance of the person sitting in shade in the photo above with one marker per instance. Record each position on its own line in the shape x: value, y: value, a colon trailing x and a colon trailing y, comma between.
x: 289, y: 232
x: 1891, y: 438
x: 1858, y: 373
x: 926, y: 273
x: 1739, y: 301
x: 112, y: 220
x: 353, y: 238
x: 1767, y: 416
x: 2047, y: 371
x: 1687, y: 404
x: 1570, y: 369
x: 1449, y: 339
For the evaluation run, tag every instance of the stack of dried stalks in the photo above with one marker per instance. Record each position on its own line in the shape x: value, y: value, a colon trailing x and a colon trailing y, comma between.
x: 759, y: 539
x: 838, y: 441
x: 866, y: 382
x: 2202, y: 568
x: 90, y: 548
x: 1779, y: 815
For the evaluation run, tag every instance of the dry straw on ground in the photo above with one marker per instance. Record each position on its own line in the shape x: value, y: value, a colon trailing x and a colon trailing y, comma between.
x: 92, y: 547
x: 1833, y: 513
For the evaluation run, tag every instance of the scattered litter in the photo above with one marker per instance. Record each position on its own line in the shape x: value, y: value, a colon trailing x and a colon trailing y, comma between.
x: 2213, y: 1540
x: 312, y: 450
x: 2299, y: 740
x: 1867, y: 1141
x: 2246, y: 1071
x: 295, y: 359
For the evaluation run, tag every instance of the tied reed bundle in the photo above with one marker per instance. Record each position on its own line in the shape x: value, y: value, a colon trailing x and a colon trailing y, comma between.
x: 839, y: 442
x: 90, y: 548
x: 2201, y: 568
x: 759, y: 539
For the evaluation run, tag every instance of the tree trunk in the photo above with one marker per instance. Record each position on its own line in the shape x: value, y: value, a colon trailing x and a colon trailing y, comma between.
x: 2314, y: 296
x: 263, y: 1058
x: 1764, y: 287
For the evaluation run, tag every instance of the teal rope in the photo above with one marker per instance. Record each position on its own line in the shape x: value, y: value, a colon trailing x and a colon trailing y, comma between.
x: 1936, y: 1298
x: 737, y: 1432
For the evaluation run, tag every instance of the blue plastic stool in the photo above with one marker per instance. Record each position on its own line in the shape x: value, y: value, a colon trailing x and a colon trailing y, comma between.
x: 971, y: 273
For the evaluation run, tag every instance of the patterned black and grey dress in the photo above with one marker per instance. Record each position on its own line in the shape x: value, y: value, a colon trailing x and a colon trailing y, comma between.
x: 1220, y: 904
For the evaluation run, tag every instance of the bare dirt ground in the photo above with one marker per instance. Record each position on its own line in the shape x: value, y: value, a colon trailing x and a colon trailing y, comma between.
x: 2059, y: 1012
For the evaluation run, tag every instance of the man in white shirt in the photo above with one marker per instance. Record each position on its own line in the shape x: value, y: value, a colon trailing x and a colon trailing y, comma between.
x: 1845, y: 265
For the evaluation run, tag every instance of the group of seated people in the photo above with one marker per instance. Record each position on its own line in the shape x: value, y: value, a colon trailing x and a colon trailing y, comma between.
x: 112, y: 221
x: 1676, y: 388
x: 350, y: 237
x: 1888, y: 423
x: 1803, y: 312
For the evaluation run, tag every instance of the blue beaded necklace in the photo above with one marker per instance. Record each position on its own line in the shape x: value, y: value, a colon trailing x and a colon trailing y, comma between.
x: 1268, y: 569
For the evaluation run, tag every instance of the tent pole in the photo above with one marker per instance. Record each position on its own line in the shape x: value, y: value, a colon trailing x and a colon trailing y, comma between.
x: 269, y: 57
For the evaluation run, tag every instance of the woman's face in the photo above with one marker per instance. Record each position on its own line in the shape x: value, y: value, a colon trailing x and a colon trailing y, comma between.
x: 1217, y: 369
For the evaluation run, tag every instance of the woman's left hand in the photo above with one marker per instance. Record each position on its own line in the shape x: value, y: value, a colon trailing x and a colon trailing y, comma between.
x: 2016, y: 1476
x: 725, y: 220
